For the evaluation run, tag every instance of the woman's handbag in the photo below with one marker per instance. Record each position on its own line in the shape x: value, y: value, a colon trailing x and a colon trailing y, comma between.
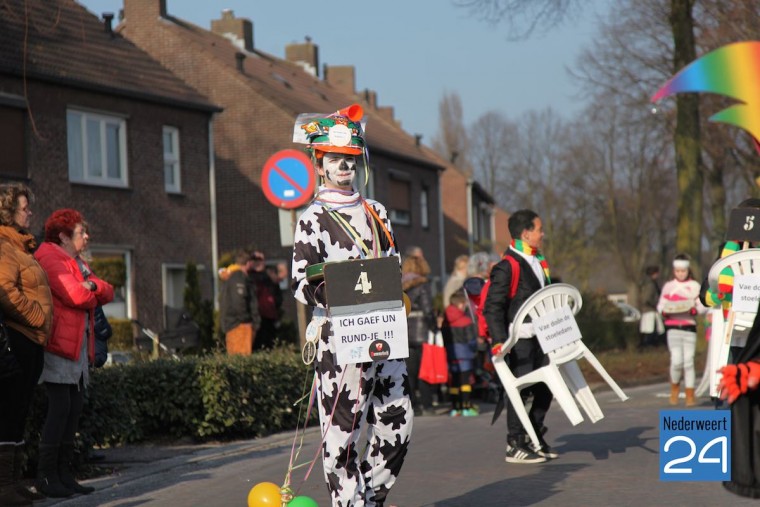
x: 8, y: 364
x: 103, y: 332
x: 434, y: 368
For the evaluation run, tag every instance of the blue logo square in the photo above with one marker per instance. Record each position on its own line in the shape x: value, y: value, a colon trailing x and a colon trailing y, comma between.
x: 695, y: 445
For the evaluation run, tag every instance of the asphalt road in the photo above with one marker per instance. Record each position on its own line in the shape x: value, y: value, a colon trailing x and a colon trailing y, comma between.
x: 452, y: 462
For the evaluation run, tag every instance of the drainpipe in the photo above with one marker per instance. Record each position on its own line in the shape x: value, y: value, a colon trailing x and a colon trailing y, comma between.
x: 212, y: 202
x: 492, y: 221
x: 441, y: 235
x: 469, y: 215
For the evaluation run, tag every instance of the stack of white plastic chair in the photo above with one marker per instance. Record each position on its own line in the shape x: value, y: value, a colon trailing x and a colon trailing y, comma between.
x: 561, y: 375
x: 742, y: 263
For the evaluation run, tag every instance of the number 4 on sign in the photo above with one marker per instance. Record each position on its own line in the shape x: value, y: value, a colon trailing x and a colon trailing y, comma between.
x: 362, y: 284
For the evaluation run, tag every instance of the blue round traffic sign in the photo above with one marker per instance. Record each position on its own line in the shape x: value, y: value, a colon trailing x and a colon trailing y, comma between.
x: 288, y: 179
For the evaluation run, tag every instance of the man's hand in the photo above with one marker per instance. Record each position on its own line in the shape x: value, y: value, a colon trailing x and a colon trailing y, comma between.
x: 737, y: 379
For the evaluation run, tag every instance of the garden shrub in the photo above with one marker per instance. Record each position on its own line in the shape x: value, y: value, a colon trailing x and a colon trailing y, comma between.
x: 203, y: 398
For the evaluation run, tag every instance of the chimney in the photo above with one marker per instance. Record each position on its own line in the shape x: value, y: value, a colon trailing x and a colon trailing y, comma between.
x: 370, y: 97
x: 107, y: 20
x: 341, y: 77
x: 386, y: 112
x: 239, y: 59
x: 305, y: 54
x: 239, y: 30
x: 418, y: 139
x: 142, y: 10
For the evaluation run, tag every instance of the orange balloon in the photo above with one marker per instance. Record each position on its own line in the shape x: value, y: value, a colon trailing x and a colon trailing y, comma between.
x: 407, y: 303
x: 265, y: 494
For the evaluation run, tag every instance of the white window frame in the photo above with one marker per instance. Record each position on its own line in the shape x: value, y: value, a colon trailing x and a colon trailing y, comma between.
x: 128, y: 309
x: 80, y: 174
x: 172, y: 159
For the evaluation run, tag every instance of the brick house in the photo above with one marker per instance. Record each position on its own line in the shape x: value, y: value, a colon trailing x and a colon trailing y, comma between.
x: 472, y: 221
x: 261, y: 96
x: 89, y: 121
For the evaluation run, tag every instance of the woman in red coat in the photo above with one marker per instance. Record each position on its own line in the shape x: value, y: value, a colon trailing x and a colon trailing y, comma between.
x: 71, y: 348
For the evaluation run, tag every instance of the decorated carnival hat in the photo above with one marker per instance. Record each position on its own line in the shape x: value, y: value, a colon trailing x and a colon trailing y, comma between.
x: 339, y: 132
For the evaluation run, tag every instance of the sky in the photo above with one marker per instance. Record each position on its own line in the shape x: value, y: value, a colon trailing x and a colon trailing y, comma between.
x: 412, y: 52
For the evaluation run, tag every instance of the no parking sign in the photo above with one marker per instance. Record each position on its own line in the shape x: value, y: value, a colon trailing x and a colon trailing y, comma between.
x: 288, y: 179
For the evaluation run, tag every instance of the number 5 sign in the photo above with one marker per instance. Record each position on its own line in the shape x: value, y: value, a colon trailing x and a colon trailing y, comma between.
x: 695, y: 445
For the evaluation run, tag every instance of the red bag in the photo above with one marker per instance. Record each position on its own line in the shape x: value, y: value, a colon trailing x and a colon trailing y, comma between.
x: 434, y: 369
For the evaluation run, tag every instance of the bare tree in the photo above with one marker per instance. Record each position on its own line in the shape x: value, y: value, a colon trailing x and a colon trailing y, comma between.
x: 522, y: 17
x: 452, y: 141
x: 492, y: 144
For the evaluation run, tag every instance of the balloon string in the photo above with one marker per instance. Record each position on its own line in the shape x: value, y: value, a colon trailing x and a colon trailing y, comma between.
x: 293, y: 453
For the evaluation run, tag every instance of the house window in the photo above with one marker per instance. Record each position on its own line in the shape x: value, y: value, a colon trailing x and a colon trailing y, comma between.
x: 399, y: 201
x: 171, y: 160
x: 424, y: 211
x: 114, y: 266
x: 97, y: 149
x: 13, y: 142
x: 174, y: 285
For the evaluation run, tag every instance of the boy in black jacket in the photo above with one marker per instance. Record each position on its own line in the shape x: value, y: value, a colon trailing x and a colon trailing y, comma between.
x: 527, y: 232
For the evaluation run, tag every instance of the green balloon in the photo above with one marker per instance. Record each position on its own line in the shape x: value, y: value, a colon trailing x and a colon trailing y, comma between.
x: 302, y: 501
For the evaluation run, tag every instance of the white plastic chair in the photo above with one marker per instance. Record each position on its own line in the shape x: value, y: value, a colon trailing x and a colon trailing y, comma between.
x: 550, y: 374
x: 562, y: 362
x: 745, y: 262
x: 553, y: 298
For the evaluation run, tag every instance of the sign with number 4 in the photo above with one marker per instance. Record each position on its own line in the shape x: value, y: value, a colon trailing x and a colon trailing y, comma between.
x: 695, y: 445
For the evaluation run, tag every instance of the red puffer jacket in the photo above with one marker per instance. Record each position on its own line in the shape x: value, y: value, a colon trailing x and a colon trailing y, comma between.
x: 70, y: 299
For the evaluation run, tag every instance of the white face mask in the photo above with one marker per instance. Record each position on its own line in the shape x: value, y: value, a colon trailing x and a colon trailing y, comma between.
x: 339, y: 170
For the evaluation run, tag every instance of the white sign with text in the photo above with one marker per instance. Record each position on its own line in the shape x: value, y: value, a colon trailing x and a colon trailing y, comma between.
x: 556, y: 329
x: 746, y: 293
x: 371, y: 336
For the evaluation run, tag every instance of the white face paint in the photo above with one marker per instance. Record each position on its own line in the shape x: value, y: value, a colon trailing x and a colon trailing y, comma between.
x: 338, y: 170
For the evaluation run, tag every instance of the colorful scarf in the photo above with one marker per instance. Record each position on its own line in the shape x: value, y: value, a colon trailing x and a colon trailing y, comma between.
x: 722, y: 296
x: 522, y: 246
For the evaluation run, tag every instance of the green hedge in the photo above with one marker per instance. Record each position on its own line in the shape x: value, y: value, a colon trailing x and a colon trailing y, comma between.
x: 212, y: 397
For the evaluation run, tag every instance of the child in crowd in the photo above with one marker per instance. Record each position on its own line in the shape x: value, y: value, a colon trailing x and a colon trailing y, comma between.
x: 460, y: 338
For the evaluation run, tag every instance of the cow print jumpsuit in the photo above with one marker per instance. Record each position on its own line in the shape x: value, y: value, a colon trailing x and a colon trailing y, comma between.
x: 374, y: 395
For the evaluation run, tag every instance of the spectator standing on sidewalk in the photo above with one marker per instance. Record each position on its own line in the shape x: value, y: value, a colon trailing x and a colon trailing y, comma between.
x: 26, y: 306
x: 456, y: 279
x: 527, y: 231
x: 269, y: 299
x: 460, y: 336
x: 650, y: 326
x: 420, y: 321
x: 238, y: 307
x: 71, y: 349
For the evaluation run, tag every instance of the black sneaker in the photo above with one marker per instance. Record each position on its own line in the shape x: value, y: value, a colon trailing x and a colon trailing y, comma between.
x: 518, y: 452
x: 544, y: 450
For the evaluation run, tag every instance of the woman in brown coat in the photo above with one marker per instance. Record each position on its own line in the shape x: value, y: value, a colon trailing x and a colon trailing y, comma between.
x: 27, y: 310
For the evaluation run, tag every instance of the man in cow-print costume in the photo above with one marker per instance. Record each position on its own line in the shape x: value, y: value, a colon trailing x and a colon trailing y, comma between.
x: 351, y: 397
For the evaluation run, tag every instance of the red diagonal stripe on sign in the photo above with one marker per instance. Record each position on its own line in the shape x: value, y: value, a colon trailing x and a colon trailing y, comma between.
x: 287, y: 178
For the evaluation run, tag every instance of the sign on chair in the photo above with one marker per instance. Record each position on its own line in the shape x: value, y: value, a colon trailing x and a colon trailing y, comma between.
x: 556, y: 329
x: 746, y: 293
